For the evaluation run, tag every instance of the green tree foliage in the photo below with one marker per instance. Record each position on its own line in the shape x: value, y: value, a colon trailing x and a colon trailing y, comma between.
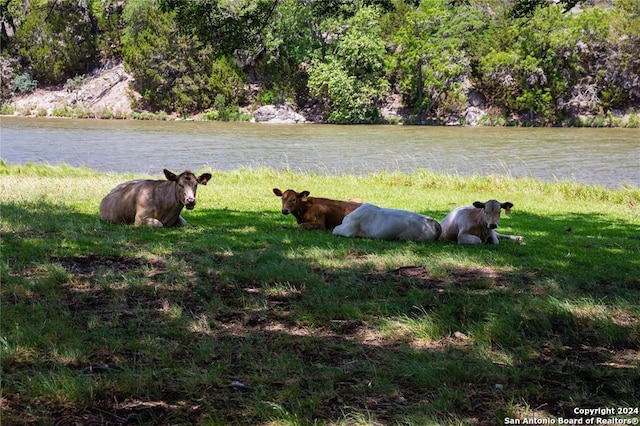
x: 350, y: 80
x: 108, y: 17
x: 547, y: 59
x: 57, y: 39
x: 622, y: 77
x: 224, y: 25
x: 430, y: 60
x: 534, y: 59
x: 527, y: 8
x: 288, y: 42
x: 174, y: 71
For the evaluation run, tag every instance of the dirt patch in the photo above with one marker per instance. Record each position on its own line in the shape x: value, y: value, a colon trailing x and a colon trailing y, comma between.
x: 131, y: 412
x: 477, y: 279
x: 85, y: 266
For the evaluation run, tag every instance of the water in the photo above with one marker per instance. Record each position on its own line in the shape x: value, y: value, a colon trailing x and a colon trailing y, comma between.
x: 607, y: 157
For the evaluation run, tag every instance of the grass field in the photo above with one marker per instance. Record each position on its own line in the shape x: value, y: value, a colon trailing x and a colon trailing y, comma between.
x: 240, y: 318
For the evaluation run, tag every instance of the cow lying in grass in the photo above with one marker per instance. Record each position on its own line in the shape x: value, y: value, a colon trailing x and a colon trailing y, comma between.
x: 152, y: 202
x: 476, y: 224
x: 313, y: 212
x: 369, y: 221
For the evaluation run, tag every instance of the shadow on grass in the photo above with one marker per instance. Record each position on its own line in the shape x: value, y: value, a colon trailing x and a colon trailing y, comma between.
x: 238, y: 319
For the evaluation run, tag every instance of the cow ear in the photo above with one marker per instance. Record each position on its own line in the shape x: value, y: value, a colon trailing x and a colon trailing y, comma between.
x: 170, y: 175
x: 204, y: 178
x: 304, y: 195
x: 478, y: 205
x: 507, y: 207
x: 277, y: 192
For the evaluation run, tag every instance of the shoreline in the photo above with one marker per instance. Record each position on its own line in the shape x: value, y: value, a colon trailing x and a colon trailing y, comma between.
x: 108, y: 95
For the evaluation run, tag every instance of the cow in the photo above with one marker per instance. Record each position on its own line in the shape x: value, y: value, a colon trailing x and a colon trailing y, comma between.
x: 314, y: 212
x: 369, y: 221
x: 152, y: 202
x: 476, y: 224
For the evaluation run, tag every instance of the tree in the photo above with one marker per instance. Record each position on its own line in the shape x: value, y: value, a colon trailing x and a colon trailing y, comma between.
x: 226, y: 26
x: 350, y: 81
x: 173, y: 71
x: 430, y: 61
x: 539, y: 64
x: 57, y: 39
x: 622, y: 76
x: 108, y: 18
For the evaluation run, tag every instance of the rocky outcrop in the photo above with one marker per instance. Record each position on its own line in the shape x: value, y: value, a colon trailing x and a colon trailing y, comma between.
x: 105, y: 91
x: 277, y: 114
x: 473, y: 115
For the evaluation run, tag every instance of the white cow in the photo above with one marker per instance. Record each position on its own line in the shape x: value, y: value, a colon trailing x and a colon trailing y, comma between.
x: 369, y: 221
x: 476, y: 224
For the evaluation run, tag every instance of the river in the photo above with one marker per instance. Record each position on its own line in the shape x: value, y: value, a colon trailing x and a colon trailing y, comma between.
x: 606, y: 157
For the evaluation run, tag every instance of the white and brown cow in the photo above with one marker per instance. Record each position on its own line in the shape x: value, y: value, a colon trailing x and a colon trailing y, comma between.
x: 314, y: 212
x: 152, y: 202
x: 476, y: 224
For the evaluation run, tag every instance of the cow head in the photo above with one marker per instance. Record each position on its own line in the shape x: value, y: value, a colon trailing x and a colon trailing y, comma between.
x: 492, y: 211
x: 292, y: 201
x: 186, y: 186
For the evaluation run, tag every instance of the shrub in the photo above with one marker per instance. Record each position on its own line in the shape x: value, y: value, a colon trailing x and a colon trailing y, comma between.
x: 74, y: 84
x: 633, y: 121
x: 6, y: 109
x: 106, y: 113
x: 211, y: 115
x: 268, y: 97
x: 599, y: 122
x: 62, y: 111
x: 23, y: 83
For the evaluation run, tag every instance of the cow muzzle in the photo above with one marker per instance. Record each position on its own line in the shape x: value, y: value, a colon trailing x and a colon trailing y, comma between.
x: 285, y: 211
x: 190, y: 203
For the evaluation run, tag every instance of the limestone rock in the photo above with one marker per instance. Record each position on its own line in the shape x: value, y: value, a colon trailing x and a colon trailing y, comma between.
x: 277, y: 114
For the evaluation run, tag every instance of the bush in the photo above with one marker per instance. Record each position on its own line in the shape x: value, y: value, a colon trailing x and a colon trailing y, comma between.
x: 23, y: 83
x: 6, y: 109
x: 227, y: 79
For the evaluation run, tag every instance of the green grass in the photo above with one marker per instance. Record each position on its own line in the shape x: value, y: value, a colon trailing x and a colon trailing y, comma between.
x: 240, y: 318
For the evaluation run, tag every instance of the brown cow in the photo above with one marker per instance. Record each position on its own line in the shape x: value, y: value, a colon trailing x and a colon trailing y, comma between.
x: 152, y: 202
x: 476, y: 224
x: 313, y: 212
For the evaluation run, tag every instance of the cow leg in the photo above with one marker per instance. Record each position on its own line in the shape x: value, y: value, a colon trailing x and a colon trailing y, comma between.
x: 493, y: 238
x: 180, y: 222
x: 345, y: 230
x: 518, y: 239
x: 147, y: 221
x: 468, y: 239
x: 307, y: 226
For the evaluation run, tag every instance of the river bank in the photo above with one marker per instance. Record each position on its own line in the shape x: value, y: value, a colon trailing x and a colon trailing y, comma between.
x: 109, y: 94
